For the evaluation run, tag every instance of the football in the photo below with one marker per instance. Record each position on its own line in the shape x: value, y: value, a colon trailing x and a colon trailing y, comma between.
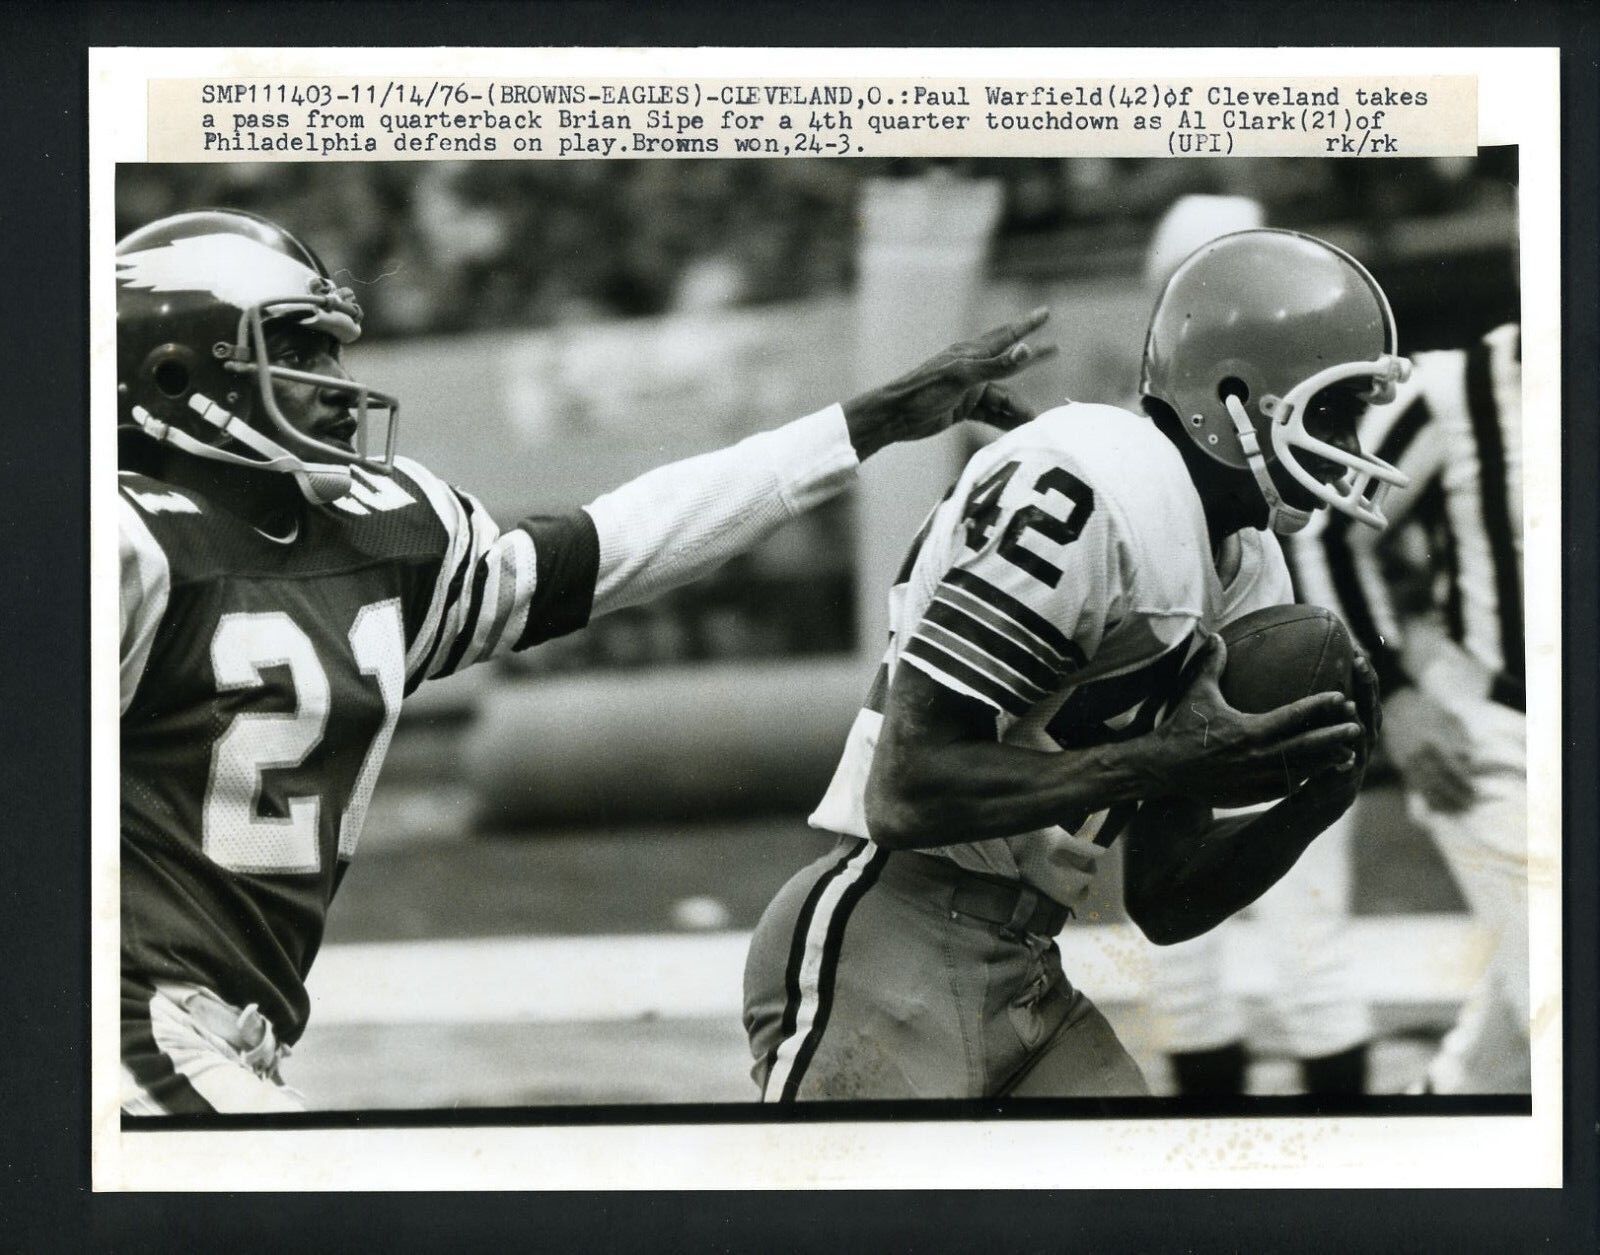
x: 1283, y: 653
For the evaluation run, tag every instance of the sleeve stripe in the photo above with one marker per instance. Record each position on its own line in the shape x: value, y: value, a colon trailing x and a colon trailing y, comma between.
x: 438, y: 622
x: 1350, y: 597
x: 1338, y: 563
x: 878, y: 691
x: 517, y: 568
x: 1003, y: 627
x: 450, y: 512
x: 485, y: 609
x: 1008, y: 605
x: 500, y: 564
x: 1432, y: 505
x: 1035, y: 673
x: 980, y: 661
x: 464, y: 635
x: 458, y: 621
x: 943, y: 666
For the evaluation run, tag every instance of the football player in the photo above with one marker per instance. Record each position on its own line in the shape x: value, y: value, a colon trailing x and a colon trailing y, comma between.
x: 1051, y: 686
x: 284, y: 585
x: 1303, y: 920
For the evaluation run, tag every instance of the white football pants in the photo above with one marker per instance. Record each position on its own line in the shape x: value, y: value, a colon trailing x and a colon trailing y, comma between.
x: 1486, y: 847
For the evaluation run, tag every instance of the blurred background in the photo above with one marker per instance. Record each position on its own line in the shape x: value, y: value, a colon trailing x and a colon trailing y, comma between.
x: 567, y: 851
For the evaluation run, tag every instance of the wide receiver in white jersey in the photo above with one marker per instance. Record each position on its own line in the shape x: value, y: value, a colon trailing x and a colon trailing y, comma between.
x: 1302, y: 924
x: 1051, y: 685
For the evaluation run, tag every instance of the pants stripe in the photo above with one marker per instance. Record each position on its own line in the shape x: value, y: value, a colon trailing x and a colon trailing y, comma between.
x: 153, y: 1070
x: 797, y: 954
x: 814, y: 962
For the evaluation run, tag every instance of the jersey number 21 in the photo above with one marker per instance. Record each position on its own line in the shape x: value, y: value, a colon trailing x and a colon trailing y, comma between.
x: 236, y: 835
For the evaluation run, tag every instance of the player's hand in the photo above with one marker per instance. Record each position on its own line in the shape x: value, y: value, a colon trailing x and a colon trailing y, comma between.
x: 960, y: 383
x: 1427, y: 742
x: 1209, y: 751
x: 1369, y: 705
x: 1327, y: 794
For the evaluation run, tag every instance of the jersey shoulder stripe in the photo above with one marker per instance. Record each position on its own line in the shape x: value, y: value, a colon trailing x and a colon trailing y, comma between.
x: 958, y: 621
x: 155, y: 498
x: 1047, y: 637
x: 950, y: 670
x: 447, y: 509
x: 499, y: 591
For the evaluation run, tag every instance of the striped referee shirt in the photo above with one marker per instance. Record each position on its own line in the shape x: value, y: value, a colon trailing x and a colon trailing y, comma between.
x: 1456, y: 430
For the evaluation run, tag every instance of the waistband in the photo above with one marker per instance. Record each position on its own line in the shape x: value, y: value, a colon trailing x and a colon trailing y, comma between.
x: 1009, y: 904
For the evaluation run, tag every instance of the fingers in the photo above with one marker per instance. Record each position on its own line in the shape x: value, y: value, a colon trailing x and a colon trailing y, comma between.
x: 1331, y: 792
x: 1322, y: 751
x: 1323, y: 747
x: 1308, y: 712
x: 1367, y: 695
x: 1009, y: 362
x: 1213, y: 659
x: 969, y: 406
x: 1335, y: 748
x: 997, y: 341
x: 1033, y: 354
x: 997, y: 407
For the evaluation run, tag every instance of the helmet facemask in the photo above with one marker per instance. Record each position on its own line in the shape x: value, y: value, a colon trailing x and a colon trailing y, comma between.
x: 1239, y: 348
x: 1360, y: 492
x: 178, y: 279
x: 335, y: 313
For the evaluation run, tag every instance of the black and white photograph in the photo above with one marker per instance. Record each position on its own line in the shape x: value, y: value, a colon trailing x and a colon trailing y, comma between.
x: 870, y: 639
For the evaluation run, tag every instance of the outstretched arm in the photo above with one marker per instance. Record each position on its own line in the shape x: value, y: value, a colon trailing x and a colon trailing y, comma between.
x: 681, y: 521
x: 494, y: 592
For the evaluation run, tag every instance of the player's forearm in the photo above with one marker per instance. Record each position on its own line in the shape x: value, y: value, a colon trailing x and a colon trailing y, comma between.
x: 679, y: 522
x: 1186, y: 872
x: 971, y: 790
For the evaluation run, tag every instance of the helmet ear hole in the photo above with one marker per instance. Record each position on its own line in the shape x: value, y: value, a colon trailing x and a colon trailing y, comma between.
x: 170, y: 371
x: 172, y: 378
x: 1233, y: 386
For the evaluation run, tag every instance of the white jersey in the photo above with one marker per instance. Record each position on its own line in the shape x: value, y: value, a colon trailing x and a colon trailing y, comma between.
x: 1061, y: 582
